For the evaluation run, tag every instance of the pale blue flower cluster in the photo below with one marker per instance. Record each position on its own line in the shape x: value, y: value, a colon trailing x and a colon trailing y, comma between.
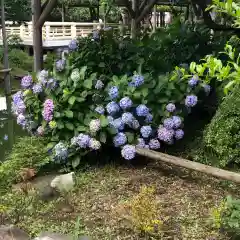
x: 120, y: 139
x: 61, y: 151
x: 142, y: 110
x: 191, y: 101
x: 113, y: 92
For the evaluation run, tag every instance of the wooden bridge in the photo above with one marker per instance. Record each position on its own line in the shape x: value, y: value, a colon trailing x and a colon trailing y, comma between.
x: 55, y: 34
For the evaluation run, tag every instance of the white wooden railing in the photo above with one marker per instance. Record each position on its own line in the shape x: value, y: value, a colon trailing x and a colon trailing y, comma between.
x: 60, y: 32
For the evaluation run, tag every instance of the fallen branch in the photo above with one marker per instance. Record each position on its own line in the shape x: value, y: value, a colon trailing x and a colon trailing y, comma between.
x: 216, y: 172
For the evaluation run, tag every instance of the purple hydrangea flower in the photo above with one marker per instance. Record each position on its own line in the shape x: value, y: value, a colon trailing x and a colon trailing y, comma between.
x: 149, y: 118
x: 61, y: 151
x: 146, y: 131
x: 60, y: 65
x: 140, y: 143
x: 154, y: 144
x: 146, y: 146
x: 94, y: 144
x: 100, y: 109
x: 142, y: 110
x: 19, y: 107
x: 191, y: 100
x: 127, y: 118
x: 99, y: 85
x: 120, y: 139
x: 193, y: 81
x: 171, y: 107
x: 168, y: 123
x: 73, y: 45
x: 117, y: 124
x: 179, y: 134
x: 207, y: 89
x: 37, y: 88
x: 112, y: 108
x: 176, y: 121
x: 137, y: 80
x: 134, y: 124
x: 21, y: 120
x: 128, y: 152
x: 125, y: 103
x: 48, y: 108
x: 83, y: 140
x: 113, y: 92
x: 18, y: 96
x: 51, y: 83
x: 26, y: 82
x: 165, y: 134
x: 94, y: 125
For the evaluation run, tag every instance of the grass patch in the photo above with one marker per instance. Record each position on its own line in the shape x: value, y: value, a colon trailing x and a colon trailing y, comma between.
x: 99, y: 201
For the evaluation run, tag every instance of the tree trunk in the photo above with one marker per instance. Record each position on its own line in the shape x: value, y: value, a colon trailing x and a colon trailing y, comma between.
x: 134, y: 22
x: 213, y: 171
x: 37, y: 36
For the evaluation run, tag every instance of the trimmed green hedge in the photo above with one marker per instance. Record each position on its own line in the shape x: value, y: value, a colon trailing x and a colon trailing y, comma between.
x: 222, y: 136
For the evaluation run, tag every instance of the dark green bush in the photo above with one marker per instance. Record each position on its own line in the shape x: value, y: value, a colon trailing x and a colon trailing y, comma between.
x: 28, y: 152
x: 222, y: 136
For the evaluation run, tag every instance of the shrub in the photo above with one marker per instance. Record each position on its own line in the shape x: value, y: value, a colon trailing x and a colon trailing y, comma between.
x: 28, y: 152
x: 222, y: 135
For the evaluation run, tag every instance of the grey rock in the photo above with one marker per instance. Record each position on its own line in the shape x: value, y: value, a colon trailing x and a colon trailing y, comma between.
x: 10, y: 232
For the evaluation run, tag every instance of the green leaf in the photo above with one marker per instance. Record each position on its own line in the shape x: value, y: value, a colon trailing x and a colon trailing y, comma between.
x: 104, y: 121
x: 69, y: 114
x: 80, y: 99
x: 145, y: 92
x: 112, y: 130
x: 81, y: 128
x: 83, y: 72
x: 72, y: 100
x: 57, y: 114
x: 103, y: 137
x: 101, y: 65
x: 192, y: 67
x: 130, y: 137
x: 76, y: 161
x: 69, y: 126
x: 60, y: 125
x: 88, y: 83
x: 51, y: 145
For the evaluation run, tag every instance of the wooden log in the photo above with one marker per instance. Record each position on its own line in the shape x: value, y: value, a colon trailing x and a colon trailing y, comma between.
x: 5, y: 70
x: 213, y: 171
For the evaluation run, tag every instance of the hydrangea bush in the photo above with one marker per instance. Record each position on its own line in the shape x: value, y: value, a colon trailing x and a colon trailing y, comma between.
x: 80, y: 110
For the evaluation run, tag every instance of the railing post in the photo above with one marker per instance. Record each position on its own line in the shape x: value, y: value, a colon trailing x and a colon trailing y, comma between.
x: 73, y: 31
x: 30, y: 30
x: 121, y: 28
x: 22, y: 32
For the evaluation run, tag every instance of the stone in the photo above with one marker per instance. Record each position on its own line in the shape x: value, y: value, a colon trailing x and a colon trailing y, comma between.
x: 63, y: 183
x: 10, y: 232
x: 58, y: 236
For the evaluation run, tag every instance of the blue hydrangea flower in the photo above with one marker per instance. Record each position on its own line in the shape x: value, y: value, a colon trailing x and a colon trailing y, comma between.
x: 112, y: 108
x: 94, y: 144
x: 37, y: 88
x: 18, y: 96
x: 120, y: 139
x: 168, y: 123
x: 83, y: 140
x: 207, y: 89
x: 134, y: 124
x: 100, y: 109
x: 179, y: 134
x: 73, y: 45
x: 191, y: 100
x: 193, y: 81
x: 51, y: 84
x: 171, y: 107
x: 128, y: 152
x: 99, y: 85
x: 149, y: 118
x: 110, y: 119
x: 142, y: 110
x: 113, y: 92
x: 140, y: 143
x: 125, y: 103
x: 60, y: 65
x: 118, y: 124
x: 176, y: 121
x: 137, y: 80
x: 165, y: 135
x: 21, y: 120
x: 26, y: 82
x: 154, y: 144
x: 61, y: 151
x: 146, y: 131
x: 127, y: 118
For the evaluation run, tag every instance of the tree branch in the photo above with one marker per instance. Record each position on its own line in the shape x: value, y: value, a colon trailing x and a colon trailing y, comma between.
x: 129, y: 8
x: 146, y: 10
x: 47, y: 10
x: 142, y: 6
